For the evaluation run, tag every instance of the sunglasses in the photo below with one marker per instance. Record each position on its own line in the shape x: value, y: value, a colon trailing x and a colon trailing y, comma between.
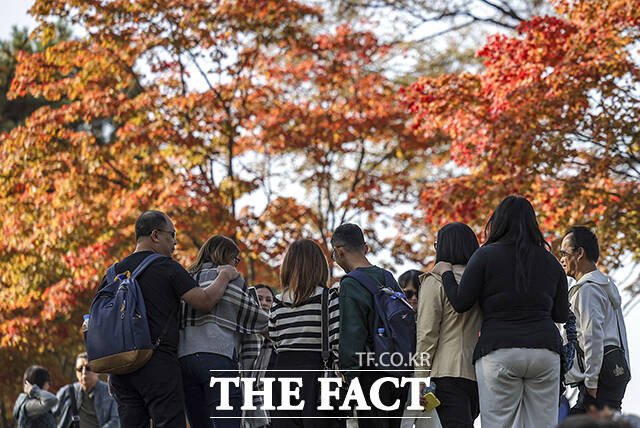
x: 85, y: 368
x: 410, y: 293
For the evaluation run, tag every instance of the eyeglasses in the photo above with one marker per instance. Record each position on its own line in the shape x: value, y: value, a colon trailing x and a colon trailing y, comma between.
x: 333, y: 251
x: 435, y: 245
x: 410, y: 293
x: 563, y: 253
x: 170, y: 232
x: 85, y: 368
x: 236, y: 260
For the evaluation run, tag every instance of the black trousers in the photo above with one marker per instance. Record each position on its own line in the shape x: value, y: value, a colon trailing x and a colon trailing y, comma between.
x: 151, y: 392
x: 612, y: 383
x: 376, y: 418
x: 459, y: 403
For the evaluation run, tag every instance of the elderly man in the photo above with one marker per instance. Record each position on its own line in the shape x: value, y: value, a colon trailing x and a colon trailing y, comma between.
x: 88, y: 401
x: 602, y: 354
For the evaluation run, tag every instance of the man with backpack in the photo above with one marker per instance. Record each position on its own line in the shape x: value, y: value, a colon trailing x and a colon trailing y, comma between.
x: 86, y: 403
x: 368, y: 296
x: 601, y: 369
x: 154, y: 391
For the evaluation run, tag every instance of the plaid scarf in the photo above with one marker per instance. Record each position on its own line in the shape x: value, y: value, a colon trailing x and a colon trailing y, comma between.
x: 259, y: 417
x: 238, y: 310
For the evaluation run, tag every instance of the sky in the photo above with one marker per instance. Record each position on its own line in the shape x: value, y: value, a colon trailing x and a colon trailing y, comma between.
x: 14, y: 12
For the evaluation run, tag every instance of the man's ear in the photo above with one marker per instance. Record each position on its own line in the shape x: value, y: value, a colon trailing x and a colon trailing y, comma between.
x: 366, y: 248
x: 580, y: 253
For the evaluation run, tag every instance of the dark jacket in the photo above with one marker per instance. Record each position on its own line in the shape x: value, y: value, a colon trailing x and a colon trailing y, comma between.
x: 34, y: 410
x: 106, y: 409
x: 357, y: 315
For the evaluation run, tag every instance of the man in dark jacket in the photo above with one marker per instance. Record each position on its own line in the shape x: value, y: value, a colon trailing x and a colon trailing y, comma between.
x: 94, y: 406
x: 357, y: 317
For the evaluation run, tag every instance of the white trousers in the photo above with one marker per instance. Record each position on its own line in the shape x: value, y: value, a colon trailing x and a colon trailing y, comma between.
x: 519, y: 388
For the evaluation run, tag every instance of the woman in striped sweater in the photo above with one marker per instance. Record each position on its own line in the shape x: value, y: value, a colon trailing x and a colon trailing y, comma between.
x: 295, y: 326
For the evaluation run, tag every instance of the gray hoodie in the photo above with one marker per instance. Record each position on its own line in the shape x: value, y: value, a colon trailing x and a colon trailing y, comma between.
x: 596, y: 302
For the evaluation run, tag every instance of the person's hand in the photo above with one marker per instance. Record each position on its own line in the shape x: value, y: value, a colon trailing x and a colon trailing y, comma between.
x: 606, y: 413
x: 109, y: 385
x: 228, y: 272
x: 592, y: 392
x: 27, y: 387
x: 441, y: 267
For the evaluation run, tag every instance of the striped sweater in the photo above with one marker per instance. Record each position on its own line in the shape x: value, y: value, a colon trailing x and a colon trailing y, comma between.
x: 299, y: 328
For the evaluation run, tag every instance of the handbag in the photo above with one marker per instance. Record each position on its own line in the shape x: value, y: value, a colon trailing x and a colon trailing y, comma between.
x: 75, y: 417
x: 328, y: 363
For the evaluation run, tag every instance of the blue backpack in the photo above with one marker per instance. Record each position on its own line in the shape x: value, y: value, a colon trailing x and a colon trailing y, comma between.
x: 117, y: 336
x: 394, y: 325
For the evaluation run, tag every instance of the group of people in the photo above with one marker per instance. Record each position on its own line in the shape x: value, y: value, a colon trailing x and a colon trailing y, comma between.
x: 85, y: 403
x: 490, y: 318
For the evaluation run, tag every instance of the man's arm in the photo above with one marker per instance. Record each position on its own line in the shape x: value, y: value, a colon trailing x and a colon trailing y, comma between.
x: 204, y: 299
x: 59, y: 408
x: 113, y: 420
x: 39, y: 402
x: 592, y: 306
x: 462, y: 297
x: 354, y: 329
x: 560, y: 310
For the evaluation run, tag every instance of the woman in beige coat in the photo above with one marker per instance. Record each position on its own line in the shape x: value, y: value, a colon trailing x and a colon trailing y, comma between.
x: 447, y: 337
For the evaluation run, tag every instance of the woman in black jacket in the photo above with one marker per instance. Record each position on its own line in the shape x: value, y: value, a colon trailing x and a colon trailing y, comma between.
x: 522, y: 291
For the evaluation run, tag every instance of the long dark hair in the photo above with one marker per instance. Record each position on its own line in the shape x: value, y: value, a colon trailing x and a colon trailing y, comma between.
x: 514, y: 222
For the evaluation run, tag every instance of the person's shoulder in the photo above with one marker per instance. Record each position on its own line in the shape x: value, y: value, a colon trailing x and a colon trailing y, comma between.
x: 349, y: 282
x: 68, y: 386
x: 169, y: 265
x: 550, y: 258
x: 492, y: 248
x: 101, y: 387
x: 63, y: 393
x: 21, y: 398
x: 431, y: 280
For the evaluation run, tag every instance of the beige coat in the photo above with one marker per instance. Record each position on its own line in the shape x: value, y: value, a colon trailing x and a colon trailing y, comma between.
x: 447, y: 337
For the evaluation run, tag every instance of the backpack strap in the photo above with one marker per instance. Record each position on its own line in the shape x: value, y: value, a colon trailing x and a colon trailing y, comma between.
x: 111, y: 273
x: 374, y: 288
x: 366, y: 280
x: 75, y: 416
x: 389, y: 279
x: 145, y: 263
x: 325, y: 328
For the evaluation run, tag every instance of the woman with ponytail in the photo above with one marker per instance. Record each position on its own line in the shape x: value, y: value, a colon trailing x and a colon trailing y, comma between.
x: 522, y: 291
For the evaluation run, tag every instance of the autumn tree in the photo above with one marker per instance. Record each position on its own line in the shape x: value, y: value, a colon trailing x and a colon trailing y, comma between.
x: 69, y: 200
x: 343, y: 133
x: 193, y: 100
x: 553, y: 116
x: 433, y: 37
x: 14, y: 112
